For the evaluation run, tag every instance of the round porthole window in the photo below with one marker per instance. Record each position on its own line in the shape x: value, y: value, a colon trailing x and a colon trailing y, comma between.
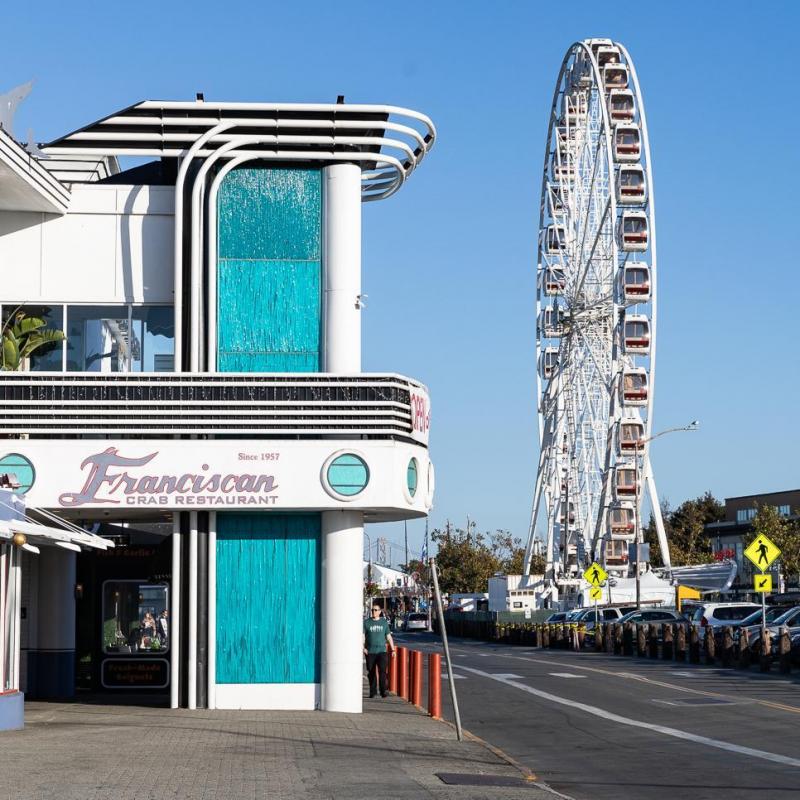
x: 20, y: 471
x: 412, y: 476
x: 347, y: 475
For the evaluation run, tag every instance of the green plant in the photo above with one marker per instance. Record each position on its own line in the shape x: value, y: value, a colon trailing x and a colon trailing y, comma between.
x: 23, y: 336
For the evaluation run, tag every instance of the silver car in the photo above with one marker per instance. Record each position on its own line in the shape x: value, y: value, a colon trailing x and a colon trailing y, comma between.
x: 415, y: 621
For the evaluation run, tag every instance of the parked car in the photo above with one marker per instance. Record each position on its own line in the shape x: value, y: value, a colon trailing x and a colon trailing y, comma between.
x: 717, y: 615
x: 647, y: 615
x: 752, y: 623
x: 790, y: 619
x: 415, y: 621
x: 558, y: 616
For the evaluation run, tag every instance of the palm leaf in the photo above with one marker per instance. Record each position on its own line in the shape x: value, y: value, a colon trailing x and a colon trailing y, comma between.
x: 10, y: 353
x: 40, y: 339
x: 27, y: 325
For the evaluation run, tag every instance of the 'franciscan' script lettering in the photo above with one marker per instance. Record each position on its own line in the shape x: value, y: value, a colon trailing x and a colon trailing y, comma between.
x: 105, y: 484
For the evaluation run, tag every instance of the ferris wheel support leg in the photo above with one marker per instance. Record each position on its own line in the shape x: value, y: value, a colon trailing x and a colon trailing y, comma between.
x: 537, y: 499
x: 656, y: 510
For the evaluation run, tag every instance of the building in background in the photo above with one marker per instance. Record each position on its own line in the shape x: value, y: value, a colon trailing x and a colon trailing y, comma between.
x: 207, y: 411
x: 730, y: 537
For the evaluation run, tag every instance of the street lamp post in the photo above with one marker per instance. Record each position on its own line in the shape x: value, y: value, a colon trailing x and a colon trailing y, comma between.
x: 637, y: 527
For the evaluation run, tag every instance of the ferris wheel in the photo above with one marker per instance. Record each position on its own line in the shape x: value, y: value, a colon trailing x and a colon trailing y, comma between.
x: 596, y: 318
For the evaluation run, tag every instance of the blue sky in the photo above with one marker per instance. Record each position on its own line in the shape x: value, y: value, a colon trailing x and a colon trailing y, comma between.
x: 449, y: 262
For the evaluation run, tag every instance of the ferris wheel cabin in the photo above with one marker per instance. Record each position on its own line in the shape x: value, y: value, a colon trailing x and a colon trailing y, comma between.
x: 637, y: 335
x: 630, y: 436
x: 560, y: 167
x: 636, y: 282
x: 573, y: 109
x: 615, y: 76
x: 571, y: 514
x: 548, y: 362
x: 564, y: 136
x: 555, y: 239
x: 631, y: 185
x: 624, y: 481
x: 621, y: 106
x: 551, y: 322
x: 621, y: 521
x: 627, y: 142
x: 634, y: 386
x: 553, y: 281
x: 555, y: 200
x: 616, y: 553
x: 633, y: 232
x: 596, y: 44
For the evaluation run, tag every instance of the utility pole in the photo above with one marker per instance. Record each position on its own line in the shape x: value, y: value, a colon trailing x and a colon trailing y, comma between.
x: 446, y: 646
x: 405, y: 534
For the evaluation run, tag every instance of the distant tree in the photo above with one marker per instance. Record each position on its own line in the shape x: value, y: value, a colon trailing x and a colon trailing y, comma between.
x: 687, y: 540
x: 508, y: 551
x: 538, y: 564
x: 465, y: 560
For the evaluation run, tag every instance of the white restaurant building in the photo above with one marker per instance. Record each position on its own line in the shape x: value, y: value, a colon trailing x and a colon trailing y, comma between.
x: 206, y: 412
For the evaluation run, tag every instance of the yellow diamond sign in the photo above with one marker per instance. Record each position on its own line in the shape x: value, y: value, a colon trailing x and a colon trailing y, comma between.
x: 596, y: 593
x: 762, y: 583
x: 762, y: 552
x: 595, y: 574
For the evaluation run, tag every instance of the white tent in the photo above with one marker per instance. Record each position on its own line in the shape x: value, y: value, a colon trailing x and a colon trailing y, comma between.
x: 388, y: 578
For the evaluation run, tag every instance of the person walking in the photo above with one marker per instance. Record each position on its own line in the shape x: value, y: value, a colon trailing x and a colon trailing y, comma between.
x: 376, y: 637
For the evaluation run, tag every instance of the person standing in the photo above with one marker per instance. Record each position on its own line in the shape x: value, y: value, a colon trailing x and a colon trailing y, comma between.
x: 376, y: 637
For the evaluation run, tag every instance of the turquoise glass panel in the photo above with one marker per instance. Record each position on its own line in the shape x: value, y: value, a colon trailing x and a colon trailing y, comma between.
x: 411, y: 477
x: 268, y: 584
x: 348, y: 475
x: 269, y: 271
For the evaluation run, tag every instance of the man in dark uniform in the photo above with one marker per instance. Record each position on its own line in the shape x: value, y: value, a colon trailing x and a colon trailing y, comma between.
x: 376, y: 637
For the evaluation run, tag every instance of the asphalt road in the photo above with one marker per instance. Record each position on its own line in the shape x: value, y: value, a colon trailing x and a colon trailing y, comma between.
x: 595, y: 726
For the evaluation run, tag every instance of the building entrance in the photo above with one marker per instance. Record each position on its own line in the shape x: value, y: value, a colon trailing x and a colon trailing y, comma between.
x: 122, y: 601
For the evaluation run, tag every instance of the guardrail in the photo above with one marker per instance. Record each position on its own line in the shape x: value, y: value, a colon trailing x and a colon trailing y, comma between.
x: 678, y: 642
x: 296, y: 405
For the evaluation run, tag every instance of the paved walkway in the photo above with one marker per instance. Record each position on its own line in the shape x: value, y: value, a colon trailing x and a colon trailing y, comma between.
x: 74, y: 751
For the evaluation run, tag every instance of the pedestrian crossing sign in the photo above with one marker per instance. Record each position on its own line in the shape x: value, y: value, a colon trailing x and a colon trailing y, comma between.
x: 595, y: 574
x: 762, y: 583
x: 762, y: 552
x: 596, y: 593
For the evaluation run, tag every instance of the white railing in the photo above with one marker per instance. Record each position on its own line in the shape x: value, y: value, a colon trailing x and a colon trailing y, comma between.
x: 296, y: 405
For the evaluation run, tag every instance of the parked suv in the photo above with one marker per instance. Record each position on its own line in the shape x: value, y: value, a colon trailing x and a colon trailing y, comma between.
x: 717, y: 615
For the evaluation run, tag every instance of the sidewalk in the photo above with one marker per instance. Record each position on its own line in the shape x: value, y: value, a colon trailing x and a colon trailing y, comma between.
x: 73, y: 751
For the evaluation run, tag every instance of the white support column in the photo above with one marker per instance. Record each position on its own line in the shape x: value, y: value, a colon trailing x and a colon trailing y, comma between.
x: 212, y: 609
x: 341, y: 267
x: 341, y: 609
x: 16, y: 614
x: 4, y: 627
x: 175, y: 615
x: 55, y: 624
x: 191, y: 671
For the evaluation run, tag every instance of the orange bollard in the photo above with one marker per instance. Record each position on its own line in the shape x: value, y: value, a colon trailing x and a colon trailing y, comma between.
x: 416, y: 677
x: 392, y: 673
x: 435, y: 685
x: 402, y: 672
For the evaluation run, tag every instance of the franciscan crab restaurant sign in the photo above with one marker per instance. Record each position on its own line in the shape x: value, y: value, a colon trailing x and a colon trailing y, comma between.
x: 112, y: 478
x: 125, y: 475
